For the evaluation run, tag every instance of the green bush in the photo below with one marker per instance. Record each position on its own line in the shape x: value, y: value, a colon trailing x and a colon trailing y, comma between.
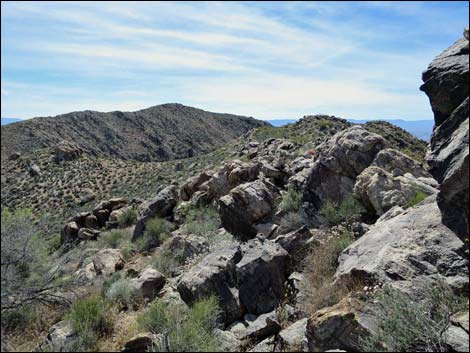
x: 408, y: 324
x: 121, y: 293
x: 202, y: 221
x: 91, y: 318
x: 348, y: 211
x: 156, y: 232
x: 16, y: 318
x: 168, y: 263
x: 291, y: 221
x: 184, y: 330
x: 128, y: 217
x: 114, y: 238
x: 291, y: 201
x: 418, y: 196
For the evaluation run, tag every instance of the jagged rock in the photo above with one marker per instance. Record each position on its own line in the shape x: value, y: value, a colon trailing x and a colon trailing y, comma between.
x: 227, y: 340
x: 161, y: 205
x: 59, y: 336
x: 214, y: 275
x: 107, y: 261
x: 192, y: 184
x: 141, y: 342
x: 240, y: 172
x: 86, y: 195
x: 66, y: 151
x: 340, y: 160
x: 111, y: 204
x: 258, y: 327
x: 87, y: 234
x: 69, y: 232
x: 260, y: 275
x: 398, y: 163
x: 295, y: 241
x: 294, y: 337
x: 340, y: 326
x: 457, y: 339
x: 244, y: 206
x: 186, y: 246
x: 114, y: 215
x: 265, y: 229
x: 378, y: 190
x: 34, y: 170
x: 148, y: 283
x: 446, y: 83
x: 266, y: 345
x: 413, y: 245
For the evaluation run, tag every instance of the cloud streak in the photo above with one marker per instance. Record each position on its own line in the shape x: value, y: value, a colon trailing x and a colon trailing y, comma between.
x: 268, y: 60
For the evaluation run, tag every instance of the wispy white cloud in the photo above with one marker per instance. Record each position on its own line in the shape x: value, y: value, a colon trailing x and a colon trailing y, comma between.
x: 263, y: 59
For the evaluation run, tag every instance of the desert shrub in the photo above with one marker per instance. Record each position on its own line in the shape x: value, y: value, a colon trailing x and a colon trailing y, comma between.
x: 320, y: 267
x: 156, y: 232
x: 291, y: 201
x: 291, y: 221
x: 346, y: 212
x: 184, y: 330
x: 114, y: 238
x: 202, y: 221
x: 418, y: 196
x: 120, y: 292
x: 16, y: 318
x: 25, y: 267
x: 128, y: 249
x: 91, y: 318
x: 408, y: 324
x: 168, y: 263
x: 127, y: 218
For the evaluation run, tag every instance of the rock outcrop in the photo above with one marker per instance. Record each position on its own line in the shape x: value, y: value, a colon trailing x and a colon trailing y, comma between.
x: 411, y: 246
x: 446, y: 82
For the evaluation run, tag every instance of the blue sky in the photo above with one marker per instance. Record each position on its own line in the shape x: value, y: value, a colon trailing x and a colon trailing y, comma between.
x: 268, y: 60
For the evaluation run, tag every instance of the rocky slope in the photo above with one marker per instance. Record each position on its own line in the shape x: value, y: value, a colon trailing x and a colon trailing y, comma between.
x: 158, y: 133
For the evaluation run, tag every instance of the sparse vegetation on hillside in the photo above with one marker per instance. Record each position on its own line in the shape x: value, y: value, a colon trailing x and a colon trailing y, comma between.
x: 348, y: 211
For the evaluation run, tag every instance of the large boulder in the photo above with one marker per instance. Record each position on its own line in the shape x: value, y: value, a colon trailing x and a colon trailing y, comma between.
x: 257, y: 327
x: 340, y: 160
x: 261, y: 274
x: 66, y: 151
x: 294, y: 337
x: 411, y: 246
x: 214, y: 275
x: 148, y: 283
x: 161, y: 205
x: 398, y: 163
x: 379, y: 190
x: 446, y: 83
x: 246, y: 205
x: 192, y: 185
x: 340, y: 326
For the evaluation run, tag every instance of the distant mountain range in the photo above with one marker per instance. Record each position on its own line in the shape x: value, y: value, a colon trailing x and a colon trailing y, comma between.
x: 419, y: 128
x: 159, y: 133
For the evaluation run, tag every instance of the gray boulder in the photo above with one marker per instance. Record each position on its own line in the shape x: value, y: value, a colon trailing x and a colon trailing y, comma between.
x: 410, y: 246
x: 294, y: 337
x: 258, y: 327
x: 246, y: 205
x: 161, y: 205
x: 214, y: 275
x: 148, y: 283
x: 261, y: 274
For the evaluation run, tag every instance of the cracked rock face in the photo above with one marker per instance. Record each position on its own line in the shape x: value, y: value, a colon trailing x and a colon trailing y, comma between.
x: 446, y: 83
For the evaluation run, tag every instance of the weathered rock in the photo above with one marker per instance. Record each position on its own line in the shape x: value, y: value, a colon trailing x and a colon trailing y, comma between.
x: 266, y: 345
x: 413, y: 245
x: 340, y: 160
x: 260, y: 276
x: 14, y: 156
x: 296, y: 241
x: 69, y: 232
x: 186, y: 246
x: 340, y: 326
x: 111, y: 204
x: 457, y: 339
x: 244, y: 206
x: 214, y: 275
x: 87, y: 234
x: 107, y: 261
x: 398, y: 163
x: 59, y: 338
x: 141, y: 342
x: 161, y: 205
x: 446, y: 83
x: 192, y: 184
x: 227, y: 340
x: 294, y: 337
x: 34, y: 170
x: 379, y: 191
x: 258, y: 328
x: 86, y: 195
x: 148, y: 283
x: 66, y: 151
x: 114, y: 215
